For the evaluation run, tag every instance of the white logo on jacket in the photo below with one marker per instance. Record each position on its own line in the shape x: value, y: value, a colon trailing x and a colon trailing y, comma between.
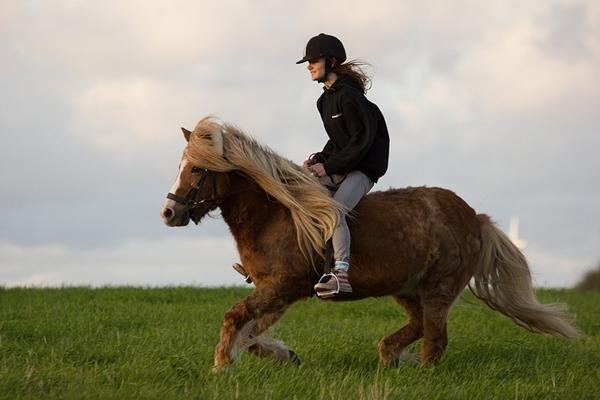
x: 336, y: 115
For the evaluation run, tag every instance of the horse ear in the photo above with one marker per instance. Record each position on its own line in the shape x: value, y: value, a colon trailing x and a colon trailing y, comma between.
x: 186, y: 134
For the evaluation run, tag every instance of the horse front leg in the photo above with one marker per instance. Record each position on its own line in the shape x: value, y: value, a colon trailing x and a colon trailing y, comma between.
x: 262, y: 345
x: 249, y: 317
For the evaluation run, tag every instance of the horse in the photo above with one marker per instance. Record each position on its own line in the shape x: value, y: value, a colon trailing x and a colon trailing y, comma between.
x: 420, y: 245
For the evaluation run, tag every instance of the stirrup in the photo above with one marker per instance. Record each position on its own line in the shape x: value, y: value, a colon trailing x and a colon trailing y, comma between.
x: 326, y: 294
x: 240, y: 270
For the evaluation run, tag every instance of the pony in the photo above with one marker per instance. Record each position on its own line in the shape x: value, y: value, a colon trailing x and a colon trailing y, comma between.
x: 420, y: 245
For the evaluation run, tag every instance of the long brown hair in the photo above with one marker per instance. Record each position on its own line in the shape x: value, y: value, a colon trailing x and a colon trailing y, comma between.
x: 355, y: 69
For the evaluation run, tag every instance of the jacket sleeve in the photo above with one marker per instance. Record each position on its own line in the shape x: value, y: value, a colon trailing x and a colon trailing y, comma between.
x: 323, y: 155
x: 328, y: 148
x: 362, y: 127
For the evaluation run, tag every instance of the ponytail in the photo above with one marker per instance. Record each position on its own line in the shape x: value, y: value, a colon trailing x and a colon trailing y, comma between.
x: 355, y: 70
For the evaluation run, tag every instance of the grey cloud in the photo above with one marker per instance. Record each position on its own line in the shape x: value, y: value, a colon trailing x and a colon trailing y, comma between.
x: 567, y: 31
x: 172, y: 261
x: 90, y: 117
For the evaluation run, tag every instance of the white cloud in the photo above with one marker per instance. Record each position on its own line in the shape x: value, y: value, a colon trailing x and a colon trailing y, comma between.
x: 184, y: 261
x: 552, y: 269
x: 122, y: 115
x: 499, y: 105
x: 510, y: 72
x: 202, y: 261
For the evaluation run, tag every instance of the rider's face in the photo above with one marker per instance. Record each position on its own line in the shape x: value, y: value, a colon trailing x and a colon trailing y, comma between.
x: 316, y: 67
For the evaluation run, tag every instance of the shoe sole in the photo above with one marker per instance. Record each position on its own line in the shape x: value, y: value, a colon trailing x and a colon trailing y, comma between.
x: 326, y: 294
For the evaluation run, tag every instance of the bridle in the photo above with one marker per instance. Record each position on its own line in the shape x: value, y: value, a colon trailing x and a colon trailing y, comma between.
x: 192, y: 200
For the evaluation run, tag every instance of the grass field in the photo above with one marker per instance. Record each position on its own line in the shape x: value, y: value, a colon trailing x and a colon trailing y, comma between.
x: 119, y: 343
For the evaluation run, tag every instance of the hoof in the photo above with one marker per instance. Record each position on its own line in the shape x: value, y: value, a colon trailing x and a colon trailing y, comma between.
x: 294, y: 358
x: 219, y: 369
x: 409, y: 358
x: 404, y: 358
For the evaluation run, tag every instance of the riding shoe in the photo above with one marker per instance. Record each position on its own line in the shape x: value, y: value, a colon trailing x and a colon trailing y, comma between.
x: 337, y: 283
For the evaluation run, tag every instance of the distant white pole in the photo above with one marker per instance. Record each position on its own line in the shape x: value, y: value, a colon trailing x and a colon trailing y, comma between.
x: 513, y: 233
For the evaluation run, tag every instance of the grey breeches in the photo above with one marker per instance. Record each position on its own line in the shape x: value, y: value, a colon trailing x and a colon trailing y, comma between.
x: 348, y: 192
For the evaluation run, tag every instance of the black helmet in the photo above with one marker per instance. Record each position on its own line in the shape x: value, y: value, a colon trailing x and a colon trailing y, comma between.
x: 324, y: 45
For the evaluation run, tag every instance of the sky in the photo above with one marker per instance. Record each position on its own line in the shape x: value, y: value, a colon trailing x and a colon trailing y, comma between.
x: 497, y: 101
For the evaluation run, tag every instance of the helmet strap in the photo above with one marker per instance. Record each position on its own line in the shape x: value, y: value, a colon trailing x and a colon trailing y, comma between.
x: 328, y: 67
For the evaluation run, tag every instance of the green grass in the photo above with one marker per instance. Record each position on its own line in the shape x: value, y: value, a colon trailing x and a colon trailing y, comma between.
x: 118, y: 343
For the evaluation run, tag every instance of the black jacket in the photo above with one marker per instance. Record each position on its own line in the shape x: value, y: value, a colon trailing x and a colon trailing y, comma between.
x: 358, y: 136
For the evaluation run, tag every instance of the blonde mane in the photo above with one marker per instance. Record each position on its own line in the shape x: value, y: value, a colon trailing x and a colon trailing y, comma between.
x: 220, y: 147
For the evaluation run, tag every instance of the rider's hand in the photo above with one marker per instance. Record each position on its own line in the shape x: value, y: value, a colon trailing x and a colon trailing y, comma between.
x: 318, y: 170
x: 307, y: 163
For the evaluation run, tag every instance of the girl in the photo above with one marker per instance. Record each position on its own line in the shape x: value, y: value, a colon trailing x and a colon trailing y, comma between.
x: 356, y: 154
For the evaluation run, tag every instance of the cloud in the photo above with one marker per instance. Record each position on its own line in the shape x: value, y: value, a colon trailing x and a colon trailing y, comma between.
x: 190, y: 261
x: 528, y: 78
x: 499, y: 106
x: 121, y: 116
x: 551, y: 269
x: 205, y: 262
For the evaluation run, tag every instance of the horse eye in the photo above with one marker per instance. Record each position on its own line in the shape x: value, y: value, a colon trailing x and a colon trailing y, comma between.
x: 195, y: 170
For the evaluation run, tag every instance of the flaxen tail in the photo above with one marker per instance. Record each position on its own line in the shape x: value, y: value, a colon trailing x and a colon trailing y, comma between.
x: 503, y: 282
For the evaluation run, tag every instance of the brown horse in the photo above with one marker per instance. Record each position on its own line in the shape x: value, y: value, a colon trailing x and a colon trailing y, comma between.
x: 419, y: 245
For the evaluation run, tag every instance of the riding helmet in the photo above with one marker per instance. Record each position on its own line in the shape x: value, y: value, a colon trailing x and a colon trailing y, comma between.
x: 324, y: 45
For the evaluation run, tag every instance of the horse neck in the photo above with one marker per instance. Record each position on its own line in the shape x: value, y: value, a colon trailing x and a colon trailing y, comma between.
x: 247, y: 211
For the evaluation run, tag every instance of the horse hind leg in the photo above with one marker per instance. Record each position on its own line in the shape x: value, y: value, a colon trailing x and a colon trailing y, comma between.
x: 391, y: 348
x: 435, y: 329
x: 438, y: 296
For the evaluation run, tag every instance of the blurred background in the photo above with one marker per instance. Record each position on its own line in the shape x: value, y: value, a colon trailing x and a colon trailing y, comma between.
x: 497, y: 101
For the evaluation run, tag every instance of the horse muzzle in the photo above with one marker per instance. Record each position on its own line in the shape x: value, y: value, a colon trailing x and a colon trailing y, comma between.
x: 175, y: 214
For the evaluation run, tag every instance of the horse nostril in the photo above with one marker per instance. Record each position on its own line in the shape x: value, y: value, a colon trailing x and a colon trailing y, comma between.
x: 167, y: 213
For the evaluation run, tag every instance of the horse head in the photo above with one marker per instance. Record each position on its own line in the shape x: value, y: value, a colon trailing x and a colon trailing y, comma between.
x: 195, y: 192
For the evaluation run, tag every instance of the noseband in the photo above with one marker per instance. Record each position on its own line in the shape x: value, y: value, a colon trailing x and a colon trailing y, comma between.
x: 193, y: 200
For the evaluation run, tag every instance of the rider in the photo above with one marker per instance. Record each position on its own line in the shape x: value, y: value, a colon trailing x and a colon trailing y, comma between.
x: 356, y: 154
